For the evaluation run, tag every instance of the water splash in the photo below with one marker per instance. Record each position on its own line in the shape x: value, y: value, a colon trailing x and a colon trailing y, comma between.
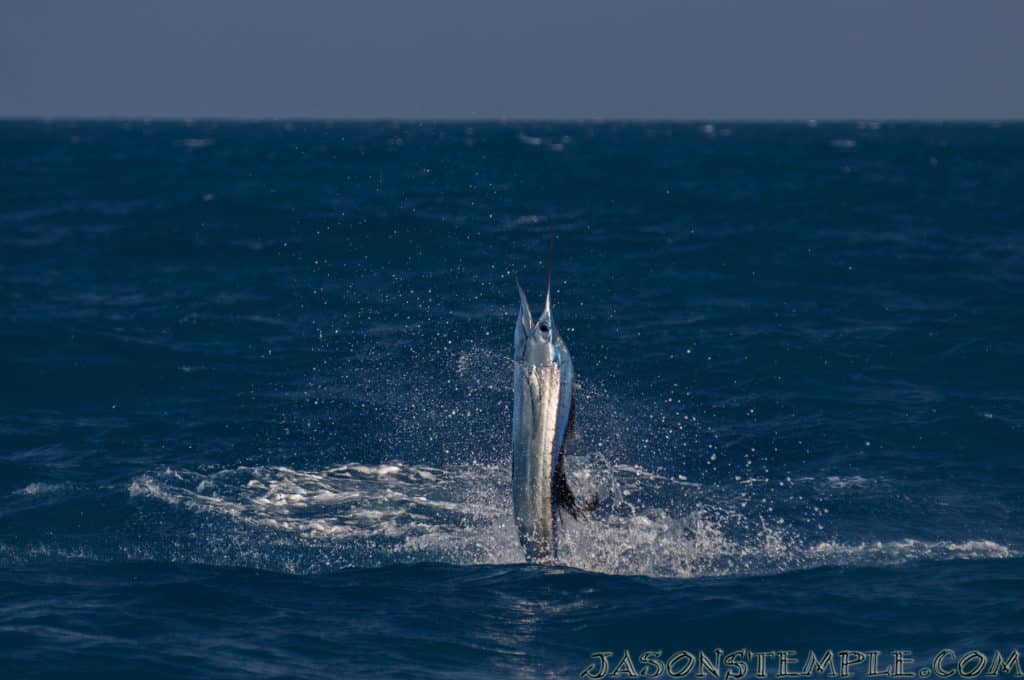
x: 403, y: 513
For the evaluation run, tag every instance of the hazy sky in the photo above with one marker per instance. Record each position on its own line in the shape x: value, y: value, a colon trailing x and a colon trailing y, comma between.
x: 512, y: 59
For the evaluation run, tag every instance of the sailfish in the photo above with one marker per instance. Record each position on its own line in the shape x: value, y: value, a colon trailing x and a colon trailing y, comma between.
x: 543, y: 413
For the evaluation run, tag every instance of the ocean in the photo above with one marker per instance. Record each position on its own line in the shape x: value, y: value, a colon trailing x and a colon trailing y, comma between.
x: 256, y: 394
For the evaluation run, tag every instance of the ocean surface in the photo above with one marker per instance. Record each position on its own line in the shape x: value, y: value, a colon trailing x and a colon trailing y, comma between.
x: 255, y: 394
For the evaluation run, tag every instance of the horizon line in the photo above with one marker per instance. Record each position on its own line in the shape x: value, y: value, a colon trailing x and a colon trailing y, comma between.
x: 504, y: 120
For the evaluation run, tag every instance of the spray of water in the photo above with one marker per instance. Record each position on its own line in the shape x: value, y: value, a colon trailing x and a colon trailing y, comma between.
x: 651, y: 521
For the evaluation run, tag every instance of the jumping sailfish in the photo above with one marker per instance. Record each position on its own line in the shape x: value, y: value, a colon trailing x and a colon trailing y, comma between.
x: 542, y: 421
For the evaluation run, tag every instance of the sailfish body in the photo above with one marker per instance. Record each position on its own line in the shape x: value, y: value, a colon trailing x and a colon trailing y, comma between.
x: 542, y: 419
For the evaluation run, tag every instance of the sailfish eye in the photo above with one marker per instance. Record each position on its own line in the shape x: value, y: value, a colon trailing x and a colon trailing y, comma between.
x: 543, y: 328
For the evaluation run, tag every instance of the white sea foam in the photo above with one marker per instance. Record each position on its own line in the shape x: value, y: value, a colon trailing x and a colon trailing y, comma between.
x: 38, y: 489
x: 397, y: 512
x: 558, y: 144
x: 837, y: 482
x: 903, y: 550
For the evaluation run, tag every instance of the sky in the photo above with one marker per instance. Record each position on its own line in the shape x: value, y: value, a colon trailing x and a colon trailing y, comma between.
x: 470, y: 59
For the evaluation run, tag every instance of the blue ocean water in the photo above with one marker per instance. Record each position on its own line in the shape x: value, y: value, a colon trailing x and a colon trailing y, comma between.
x: 256, y: 393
